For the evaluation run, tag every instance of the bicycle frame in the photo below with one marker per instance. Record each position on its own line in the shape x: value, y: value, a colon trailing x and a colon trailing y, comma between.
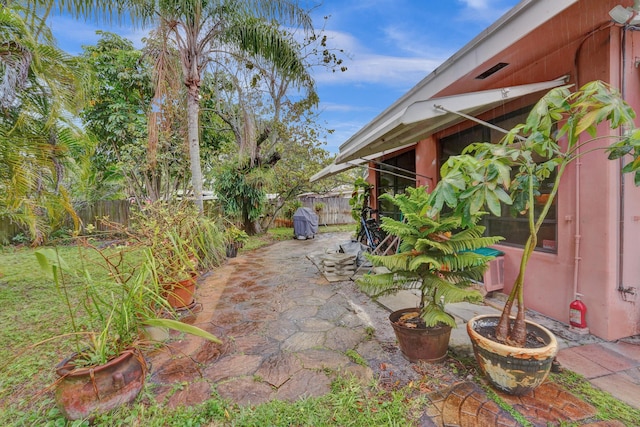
x: 367, y: 233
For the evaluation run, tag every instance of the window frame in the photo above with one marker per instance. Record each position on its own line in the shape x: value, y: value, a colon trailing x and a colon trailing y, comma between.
x: 550, y: 222
x: 399, y: 184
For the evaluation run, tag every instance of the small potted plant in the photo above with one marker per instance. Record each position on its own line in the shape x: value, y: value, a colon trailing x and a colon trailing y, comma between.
x: 559, y: 130
x: 108, y: 368
x: 182, y: 242
x: 235, y: 238
x: 435, y: 257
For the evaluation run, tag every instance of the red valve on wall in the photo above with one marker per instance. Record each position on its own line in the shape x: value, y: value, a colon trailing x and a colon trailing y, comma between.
x: 578, y: 313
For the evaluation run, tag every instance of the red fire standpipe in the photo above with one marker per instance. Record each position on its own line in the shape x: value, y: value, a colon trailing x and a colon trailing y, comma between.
x: 578, y: 313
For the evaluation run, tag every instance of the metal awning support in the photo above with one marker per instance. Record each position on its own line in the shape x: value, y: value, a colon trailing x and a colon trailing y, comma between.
x: 411, y: 123
x: 399, y: 169
x: 334, y: 168
x: 384, y: 171
x: 477, y: 120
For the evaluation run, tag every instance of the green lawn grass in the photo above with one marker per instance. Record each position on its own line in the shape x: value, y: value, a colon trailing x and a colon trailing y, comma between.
x: 286, y: 233
x: 32, y: 311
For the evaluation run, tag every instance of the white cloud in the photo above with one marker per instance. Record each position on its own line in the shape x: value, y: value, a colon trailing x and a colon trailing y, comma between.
x: 483, y: 10
x: 477, y: 4
x: 388, y: 70
x: 364, y: 67
x: 341, y: 108
x: 343, y: 130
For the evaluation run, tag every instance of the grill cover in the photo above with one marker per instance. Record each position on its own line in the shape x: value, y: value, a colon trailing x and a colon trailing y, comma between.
x: 305, y: 223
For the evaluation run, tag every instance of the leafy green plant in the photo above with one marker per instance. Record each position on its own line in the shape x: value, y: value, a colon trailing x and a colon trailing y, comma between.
x: 291, y: 207
x: 235, y: 236
x: 511, y: 172
x: 181, y: 240
x: 359, y: 198
x: 241, y: 191
x: 20, y: 239
x: 117, y: 307
x: 436, y: 256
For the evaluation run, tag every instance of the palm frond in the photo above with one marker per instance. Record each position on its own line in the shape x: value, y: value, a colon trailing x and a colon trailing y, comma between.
x: 395, y: 262
x: 436, y: 255
x: 433, y: 315
x: 378, y: 285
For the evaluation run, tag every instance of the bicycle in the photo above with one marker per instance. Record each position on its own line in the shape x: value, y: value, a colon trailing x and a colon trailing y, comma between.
x: 370, y: 233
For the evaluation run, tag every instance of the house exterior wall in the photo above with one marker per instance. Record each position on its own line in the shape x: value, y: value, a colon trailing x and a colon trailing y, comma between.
x: 426, y: 163
x: 596, y: 233
x: 589, y: 213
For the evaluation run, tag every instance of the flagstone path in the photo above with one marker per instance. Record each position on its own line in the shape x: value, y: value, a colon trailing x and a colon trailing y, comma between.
x: 286, y: 332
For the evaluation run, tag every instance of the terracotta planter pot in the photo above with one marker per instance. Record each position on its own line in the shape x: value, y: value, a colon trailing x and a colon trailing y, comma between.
x: 510, y: 369
x: 180, y: 294
x: 86, y: 392
x: 232, y: 251
x: 429, y: 345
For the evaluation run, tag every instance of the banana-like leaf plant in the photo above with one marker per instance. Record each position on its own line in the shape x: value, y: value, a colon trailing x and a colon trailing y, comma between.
x: 562, y: 127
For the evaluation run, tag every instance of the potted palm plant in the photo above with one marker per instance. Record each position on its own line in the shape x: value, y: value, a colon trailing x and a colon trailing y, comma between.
x: 235, y: 238
x: 107, y: 313
x: 559, y: 130
x: 435, y: 257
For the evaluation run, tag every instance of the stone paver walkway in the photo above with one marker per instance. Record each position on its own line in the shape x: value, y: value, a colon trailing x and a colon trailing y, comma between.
x: 286, y: 331
x: 610, y: 366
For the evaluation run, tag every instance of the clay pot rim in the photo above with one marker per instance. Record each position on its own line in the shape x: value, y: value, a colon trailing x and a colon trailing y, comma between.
x: 416, y: 310
x: 66, y: 369
x: 507, y: 349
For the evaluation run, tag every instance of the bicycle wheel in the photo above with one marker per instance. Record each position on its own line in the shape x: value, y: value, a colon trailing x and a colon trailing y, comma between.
x: 377, y: 236
x: 362, y: 237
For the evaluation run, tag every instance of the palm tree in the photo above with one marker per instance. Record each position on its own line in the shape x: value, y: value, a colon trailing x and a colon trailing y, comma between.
x: 39, y: 86
x: 205, y: 31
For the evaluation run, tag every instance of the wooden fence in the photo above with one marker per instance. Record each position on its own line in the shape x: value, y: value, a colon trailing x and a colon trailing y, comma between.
x: 335, y: 210
x: 116, y: 210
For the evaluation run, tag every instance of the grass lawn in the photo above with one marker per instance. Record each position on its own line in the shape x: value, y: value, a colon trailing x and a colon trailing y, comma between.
x: 32, y: 311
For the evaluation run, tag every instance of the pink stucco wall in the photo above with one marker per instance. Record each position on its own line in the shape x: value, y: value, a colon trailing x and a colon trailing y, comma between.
x: 598, y: 229
x: 583, y: 43
x: 550, y: 277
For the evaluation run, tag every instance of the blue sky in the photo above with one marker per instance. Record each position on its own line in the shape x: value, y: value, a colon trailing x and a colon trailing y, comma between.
x: 390, y: 45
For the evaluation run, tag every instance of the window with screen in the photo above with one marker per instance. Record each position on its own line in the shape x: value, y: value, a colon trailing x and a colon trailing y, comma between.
x: 396, y: 174
x: 513, y: 228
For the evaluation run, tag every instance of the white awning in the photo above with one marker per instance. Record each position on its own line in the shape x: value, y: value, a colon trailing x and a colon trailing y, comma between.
x: 334, y: 168
x: 422, y: 118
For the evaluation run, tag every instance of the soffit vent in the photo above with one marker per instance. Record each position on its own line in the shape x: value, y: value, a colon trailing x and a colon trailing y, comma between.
x: 499, y: 66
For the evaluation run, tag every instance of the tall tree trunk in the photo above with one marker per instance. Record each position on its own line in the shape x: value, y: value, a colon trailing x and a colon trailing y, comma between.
x: 193, y: 136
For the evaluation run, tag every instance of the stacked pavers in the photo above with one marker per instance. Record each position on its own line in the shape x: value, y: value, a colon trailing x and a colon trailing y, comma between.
x: 338, y: 266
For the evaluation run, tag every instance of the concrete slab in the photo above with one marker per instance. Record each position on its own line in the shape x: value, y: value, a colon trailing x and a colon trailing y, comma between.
x: 606, y: 357
x: 570, y: 359
x: 400, y: 300
x: 632, y: 351
x: 466, y: 311
x: 620, y: 387
x: 459, y: 342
